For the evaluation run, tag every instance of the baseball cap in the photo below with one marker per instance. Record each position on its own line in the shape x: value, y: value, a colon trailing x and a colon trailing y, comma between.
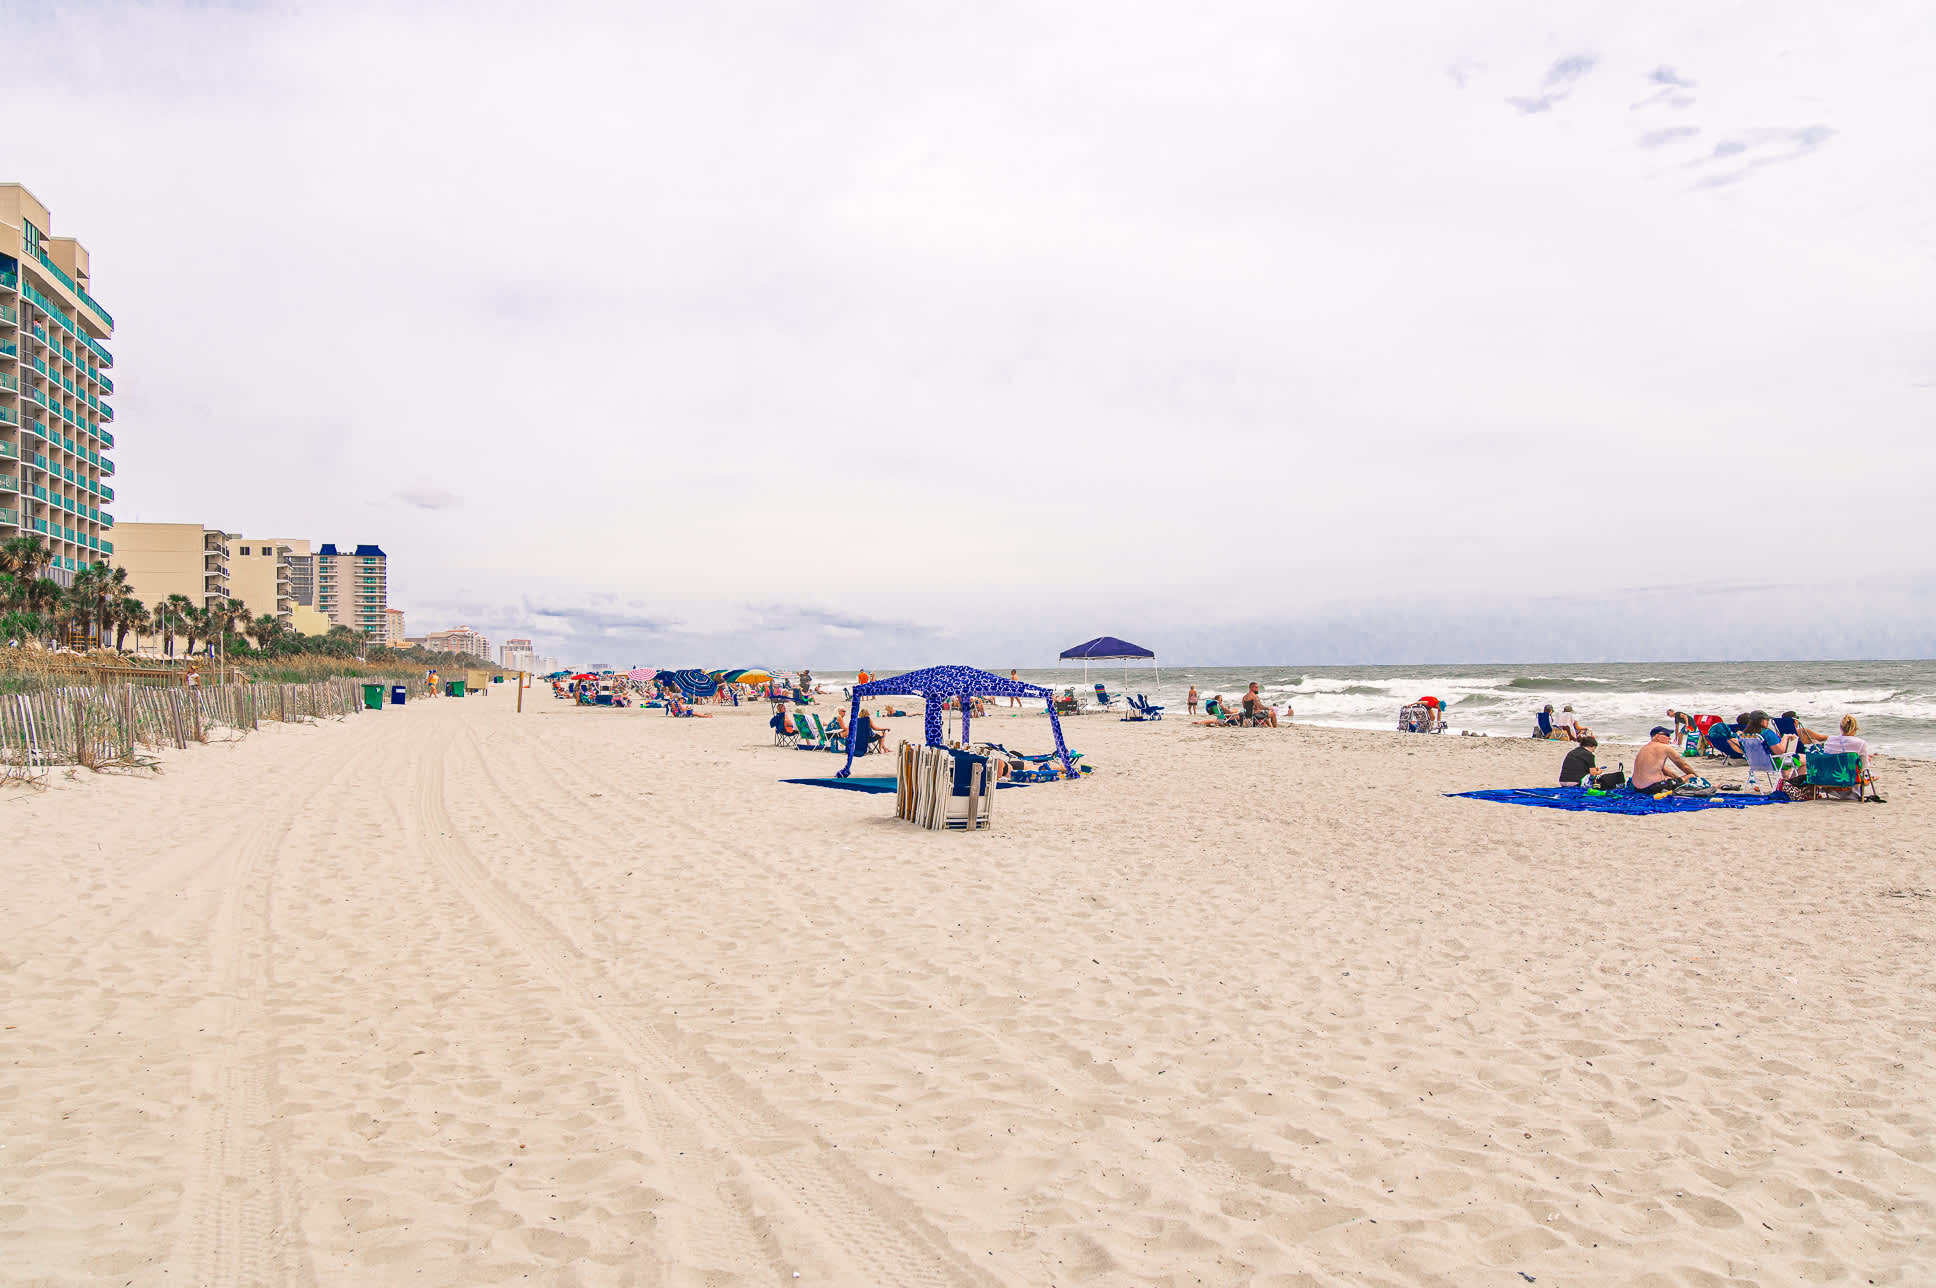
x: 1658, y: 729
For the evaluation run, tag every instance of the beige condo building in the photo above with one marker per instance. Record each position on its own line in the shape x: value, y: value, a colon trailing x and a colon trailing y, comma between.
x: 166, y: 559
x: 54, y: 435
x: 259, y: 576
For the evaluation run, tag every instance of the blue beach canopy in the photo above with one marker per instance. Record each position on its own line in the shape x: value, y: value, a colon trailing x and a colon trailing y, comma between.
x: 934, y: 685
x: 1106, y: 647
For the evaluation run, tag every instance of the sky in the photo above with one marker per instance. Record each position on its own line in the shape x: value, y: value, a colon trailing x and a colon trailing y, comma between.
x: 895, y: 334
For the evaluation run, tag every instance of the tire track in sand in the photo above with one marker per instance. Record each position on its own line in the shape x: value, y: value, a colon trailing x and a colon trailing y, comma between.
x: 235, y: 1207
x: 871, y: 1235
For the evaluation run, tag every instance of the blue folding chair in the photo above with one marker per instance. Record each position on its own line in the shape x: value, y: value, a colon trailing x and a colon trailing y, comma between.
x: 1103, y: 699
x: 1544, y: 725
x: 1724, y: 740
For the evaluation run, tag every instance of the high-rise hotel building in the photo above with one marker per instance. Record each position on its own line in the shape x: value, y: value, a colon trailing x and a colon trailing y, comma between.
x: 353, y: 588
x: 54, y: 436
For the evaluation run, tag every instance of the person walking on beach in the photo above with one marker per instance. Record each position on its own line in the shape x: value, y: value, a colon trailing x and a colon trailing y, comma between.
x: 1192, y: 699
x: 1015, y: 676
x: 1650, y: 766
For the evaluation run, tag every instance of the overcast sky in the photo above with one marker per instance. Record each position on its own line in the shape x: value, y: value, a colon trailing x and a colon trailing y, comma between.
x: 906, y: 333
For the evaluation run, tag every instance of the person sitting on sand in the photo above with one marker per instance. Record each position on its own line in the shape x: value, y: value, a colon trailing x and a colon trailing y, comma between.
x: 782, y: 722
x: 1577, y: 768
x: 1566, y: 725
x: 1650, y: 766
x: 1256, y: 710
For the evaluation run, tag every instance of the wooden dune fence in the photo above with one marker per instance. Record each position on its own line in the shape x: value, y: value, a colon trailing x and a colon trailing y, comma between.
x: 95, y: 725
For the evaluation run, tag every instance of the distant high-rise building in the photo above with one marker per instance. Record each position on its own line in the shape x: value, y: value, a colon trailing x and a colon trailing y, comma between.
x: 393, y: 628
x: 459, y: 639
x: 516, y: 655
x: 352, y: 588
x: 53, y: 379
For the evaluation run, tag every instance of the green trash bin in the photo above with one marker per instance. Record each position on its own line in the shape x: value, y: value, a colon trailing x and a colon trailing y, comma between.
x: 454, y: 689
x: 373, y: 696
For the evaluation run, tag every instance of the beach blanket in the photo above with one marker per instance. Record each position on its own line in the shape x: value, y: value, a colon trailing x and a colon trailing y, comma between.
x: 865, y: 784
x: 1620, y: 801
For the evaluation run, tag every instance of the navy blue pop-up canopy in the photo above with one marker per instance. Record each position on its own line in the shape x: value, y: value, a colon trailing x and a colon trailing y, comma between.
x: 935, y: 685
x: 1109, y: 648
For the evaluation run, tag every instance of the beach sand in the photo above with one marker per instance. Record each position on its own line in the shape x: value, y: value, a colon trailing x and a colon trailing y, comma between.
x: 450, y: 995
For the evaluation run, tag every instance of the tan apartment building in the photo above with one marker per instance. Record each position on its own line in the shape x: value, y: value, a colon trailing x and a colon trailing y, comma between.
x: 164, y: 559
x: 352, y: 588
x: 54, y: 435
x: 393, y: 628
x: 259, y: 576
x: 459, y: 639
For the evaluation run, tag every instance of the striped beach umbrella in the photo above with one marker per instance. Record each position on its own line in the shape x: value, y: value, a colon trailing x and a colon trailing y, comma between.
x: 695, y: 684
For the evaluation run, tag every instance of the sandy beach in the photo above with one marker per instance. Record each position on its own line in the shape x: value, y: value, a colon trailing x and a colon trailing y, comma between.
x: 452, y: 995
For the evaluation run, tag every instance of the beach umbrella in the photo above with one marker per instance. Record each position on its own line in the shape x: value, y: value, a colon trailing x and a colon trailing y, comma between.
x: 665, y: 677
x: 755, y: 676
x: 695, y: 684
x: 639, y: 673
x: 730, y: 677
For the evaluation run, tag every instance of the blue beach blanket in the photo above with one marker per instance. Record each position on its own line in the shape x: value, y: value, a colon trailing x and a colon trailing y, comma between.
x: 866, y: 784
x: 1620, y: 801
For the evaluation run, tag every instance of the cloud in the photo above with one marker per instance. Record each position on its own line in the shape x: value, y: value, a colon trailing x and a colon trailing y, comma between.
x: 429, y: 498
x: 1665, y: 75
x: 1561, y: 78
x: 1672, y: 134
x: 1758, y: 149
x: 1669, y: 89
x: 1464, y: 70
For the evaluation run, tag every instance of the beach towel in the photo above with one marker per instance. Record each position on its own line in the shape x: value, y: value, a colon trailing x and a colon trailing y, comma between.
x: 866, y: 784
x: 1619, y: 801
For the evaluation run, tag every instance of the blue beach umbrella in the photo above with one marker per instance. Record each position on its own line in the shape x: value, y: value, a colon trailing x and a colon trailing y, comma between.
x: 695, y: 684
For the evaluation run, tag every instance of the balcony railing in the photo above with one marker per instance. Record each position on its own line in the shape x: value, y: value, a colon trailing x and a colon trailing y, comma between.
x: 106, y: 383
x: 10, y: 517
x: 107, y: 493
x: 9, y: 280
x: 107, y: 414
x: 9, y: 314
x: 107, y: 439
x: 60, y: 275
x: 107, y: 466
x: 9, y: 383
x: 8, y: 483
x: 8, y: 449
x: 9, y: 416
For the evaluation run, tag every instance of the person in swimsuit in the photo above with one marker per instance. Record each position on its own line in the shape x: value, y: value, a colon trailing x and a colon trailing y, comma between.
x: 1650, y: 766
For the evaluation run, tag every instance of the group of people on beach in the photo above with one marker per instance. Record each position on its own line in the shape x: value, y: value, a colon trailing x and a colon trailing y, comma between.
x: 1252, y: 709
x: 1661, y: 766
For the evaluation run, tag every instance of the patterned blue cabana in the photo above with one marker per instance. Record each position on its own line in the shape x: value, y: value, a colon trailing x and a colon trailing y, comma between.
x: 935, y: 685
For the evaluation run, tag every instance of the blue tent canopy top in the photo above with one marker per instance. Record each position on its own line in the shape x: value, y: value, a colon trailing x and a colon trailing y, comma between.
x: 1105, y: 647
x: 934, y: 685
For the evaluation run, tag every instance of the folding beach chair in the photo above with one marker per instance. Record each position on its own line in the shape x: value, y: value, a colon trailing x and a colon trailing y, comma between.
x: 1764, y: 776
x: 1144, y: 707
x: 806, y: 739
x: 1103, y: 699
x: 1785, y: 727
x: 829, y: 740
x: 1843, y: 773
x: 785, y: 735
x: 1544, y: 725
x: 1724, y: 740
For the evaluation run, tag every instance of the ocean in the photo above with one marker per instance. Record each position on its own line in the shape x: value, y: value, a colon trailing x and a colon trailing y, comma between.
x: 1895, y: 702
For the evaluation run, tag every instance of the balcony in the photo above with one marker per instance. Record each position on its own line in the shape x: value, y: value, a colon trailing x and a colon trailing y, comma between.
x: 9, y: 518
x: 107, y: 520
x: 106, y: 383
x: 107, y: 414
x: 107, y: 439
x: 9, y: 383
x: 107, y: 493
x: 8, y: 483
x: 8, y: 416
x: 107, y: 466
x: 9, y: 280
x: 9, y: 315
x: 8, y: 449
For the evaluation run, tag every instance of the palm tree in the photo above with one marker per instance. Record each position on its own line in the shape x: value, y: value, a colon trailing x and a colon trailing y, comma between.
x: 18, y: 624
x: 96, y: 587
x: 171, y: 615
x: 24, y: 558
x: 128, y: 614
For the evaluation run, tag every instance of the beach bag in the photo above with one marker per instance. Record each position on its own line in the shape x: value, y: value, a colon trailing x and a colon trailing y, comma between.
x: 1695, y: 787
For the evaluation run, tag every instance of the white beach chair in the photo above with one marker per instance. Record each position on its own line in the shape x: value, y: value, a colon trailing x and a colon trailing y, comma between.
x: 1763, y: 778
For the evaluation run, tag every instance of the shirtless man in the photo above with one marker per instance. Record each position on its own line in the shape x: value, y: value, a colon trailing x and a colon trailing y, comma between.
x: 1650, y: 766
x: 1259, y: 711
